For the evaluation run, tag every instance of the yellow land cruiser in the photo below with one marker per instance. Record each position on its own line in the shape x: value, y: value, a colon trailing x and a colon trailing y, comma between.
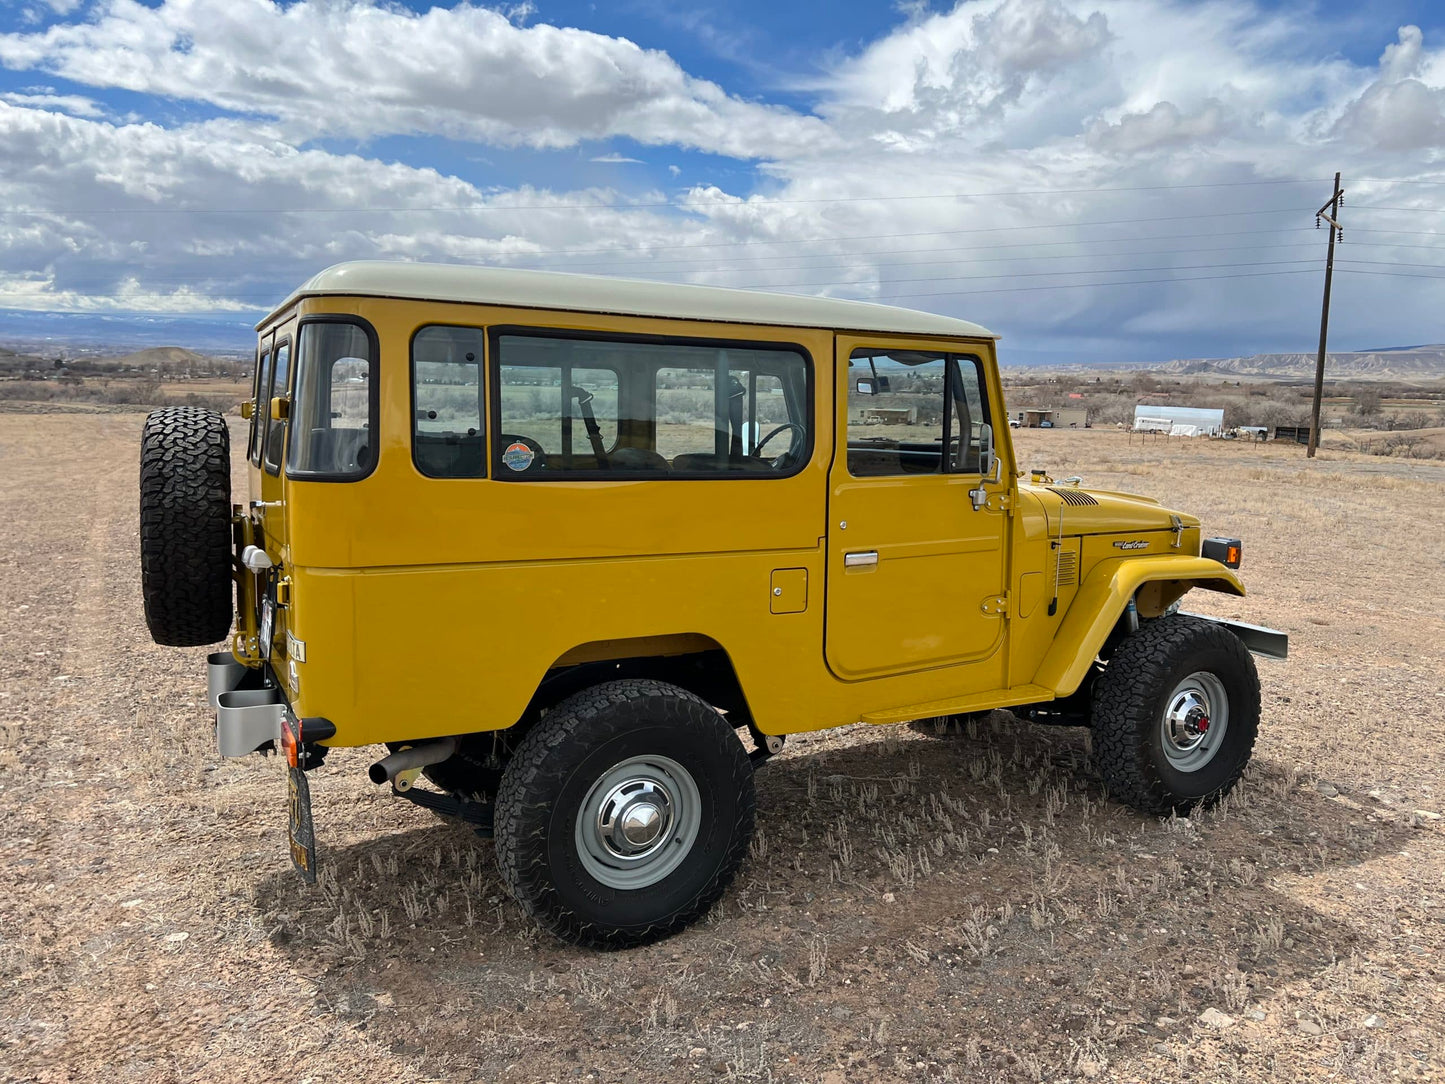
x: 583, y: 551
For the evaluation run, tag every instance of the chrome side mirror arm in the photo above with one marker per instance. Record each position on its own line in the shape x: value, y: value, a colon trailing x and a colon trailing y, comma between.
x: 979, y: 496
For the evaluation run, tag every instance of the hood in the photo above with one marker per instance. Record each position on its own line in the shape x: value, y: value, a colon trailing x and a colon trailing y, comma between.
x: 1098, y: 511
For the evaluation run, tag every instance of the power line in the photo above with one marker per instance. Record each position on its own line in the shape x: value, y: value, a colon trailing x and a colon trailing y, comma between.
x: 1050, y: 274
x: 1081, y: 285
x: 694, y: 269
x: 1394, y: 274
x: 890, y: 236
x: 1411, y: 210
x: 1394, y: 263
x: 76, y: 284
x: 709, y: 203
x: 876, y: 297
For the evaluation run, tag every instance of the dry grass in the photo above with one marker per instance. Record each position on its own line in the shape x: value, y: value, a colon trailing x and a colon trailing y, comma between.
x: 914, y: 909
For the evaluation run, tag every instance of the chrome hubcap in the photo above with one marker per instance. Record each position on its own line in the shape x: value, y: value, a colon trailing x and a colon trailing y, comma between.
x: 638, y: 822
x: 1196, y: 716
x: 634, y: 817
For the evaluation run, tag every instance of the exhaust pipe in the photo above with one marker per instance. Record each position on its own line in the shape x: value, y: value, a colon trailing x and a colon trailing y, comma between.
x: 412, y: 760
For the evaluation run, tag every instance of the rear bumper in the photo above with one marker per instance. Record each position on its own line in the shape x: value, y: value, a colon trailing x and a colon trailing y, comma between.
x: 1269, y: 643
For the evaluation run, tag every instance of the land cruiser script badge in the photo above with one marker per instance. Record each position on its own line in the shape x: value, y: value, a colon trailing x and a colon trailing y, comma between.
x: 1136, y: 545
x: 518, y: 456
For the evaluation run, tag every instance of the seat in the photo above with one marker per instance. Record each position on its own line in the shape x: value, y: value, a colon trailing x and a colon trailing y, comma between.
x: 636, y: 459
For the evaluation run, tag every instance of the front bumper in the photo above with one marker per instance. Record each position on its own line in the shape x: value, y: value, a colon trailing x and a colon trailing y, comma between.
x: 1270, y: 643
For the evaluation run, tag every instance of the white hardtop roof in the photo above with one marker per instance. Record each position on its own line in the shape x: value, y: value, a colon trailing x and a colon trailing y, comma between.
x: 631, y: 297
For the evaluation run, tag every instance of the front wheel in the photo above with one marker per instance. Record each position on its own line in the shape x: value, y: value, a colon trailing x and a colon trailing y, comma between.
x: 1175, y: 715
x: 624, y: 814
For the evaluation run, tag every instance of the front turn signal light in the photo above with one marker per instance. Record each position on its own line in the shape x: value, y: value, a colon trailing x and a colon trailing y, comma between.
x: 1227, y: 551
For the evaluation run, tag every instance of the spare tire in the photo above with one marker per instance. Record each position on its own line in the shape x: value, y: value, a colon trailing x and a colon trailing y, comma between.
x: 185, y: 526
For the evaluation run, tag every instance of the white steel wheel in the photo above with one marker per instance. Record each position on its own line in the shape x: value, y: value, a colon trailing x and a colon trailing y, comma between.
x: 1195, y: 721
x: 638, y: 822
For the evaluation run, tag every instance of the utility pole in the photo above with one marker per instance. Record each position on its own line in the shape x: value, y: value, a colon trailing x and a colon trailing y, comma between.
x: 1330, y: 212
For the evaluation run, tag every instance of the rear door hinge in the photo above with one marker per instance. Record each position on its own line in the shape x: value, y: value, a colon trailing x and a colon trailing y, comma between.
x: 995, y: 604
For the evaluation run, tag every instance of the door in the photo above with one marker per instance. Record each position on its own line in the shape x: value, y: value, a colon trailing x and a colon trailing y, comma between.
x: 271, y: 436
x: 915, y: 571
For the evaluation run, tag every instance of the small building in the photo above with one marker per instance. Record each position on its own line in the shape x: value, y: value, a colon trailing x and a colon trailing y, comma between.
x: 1055, y: 417
x: 1178, y: 421
x: 1300, y: 434
x: 890, y: 415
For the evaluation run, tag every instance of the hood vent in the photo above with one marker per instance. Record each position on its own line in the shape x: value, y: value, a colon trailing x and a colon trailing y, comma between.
x: 1072, y: 496
x: 1066, y: 570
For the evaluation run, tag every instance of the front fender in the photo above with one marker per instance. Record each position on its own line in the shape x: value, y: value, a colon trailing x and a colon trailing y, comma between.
x: 1101, y: 600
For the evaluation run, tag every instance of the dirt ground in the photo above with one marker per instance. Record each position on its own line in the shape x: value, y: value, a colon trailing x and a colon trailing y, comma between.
x: 914, y: 908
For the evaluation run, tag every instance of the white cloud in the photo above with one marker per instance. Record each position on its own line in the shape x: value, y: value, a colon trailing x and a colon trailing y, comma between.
x: 1047, y: 103
x: 355, y: 69
x: 67, y: 103
x: 1161, y: 128
x: 616, y: 159
x: 1398, y: 112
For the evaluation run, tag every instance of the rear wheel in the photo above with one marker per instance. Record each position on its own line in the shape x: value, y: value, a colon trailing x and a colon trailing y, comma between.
x: 624, y: 814
x: 185, y: 526
x: 1175, y: 715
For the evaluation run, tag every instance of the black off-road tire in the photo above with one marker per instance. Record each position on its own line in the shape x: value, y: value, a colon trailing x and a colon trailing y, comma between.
x: 561, y: 759
x: 185, y: 526
x: 1133, y: 694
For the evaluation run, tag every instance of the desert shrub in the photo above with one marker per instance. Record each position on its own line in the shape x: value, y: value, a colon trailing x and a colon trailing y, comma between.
x: 27, y: 389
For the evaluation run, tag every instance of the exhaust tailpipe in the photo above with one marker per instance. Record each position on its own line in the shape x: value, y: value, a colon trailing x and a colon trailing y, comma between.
x: 387, y: 769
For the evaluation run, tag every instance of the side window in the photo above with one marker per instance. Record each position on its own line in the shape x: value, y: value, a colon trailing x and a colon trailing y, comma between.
x: 448, y: 439
x: 914, y: 412
x: 275, y: 428
x: 334, y: 413
x: 259, y: 413
x: 649, y: 409
x: 569, y: 412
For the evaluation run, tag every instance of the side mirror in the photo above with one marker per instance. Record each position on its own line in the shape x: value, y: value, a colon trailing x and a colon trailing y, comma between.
x: 864, y: 387
x: 280, y: 409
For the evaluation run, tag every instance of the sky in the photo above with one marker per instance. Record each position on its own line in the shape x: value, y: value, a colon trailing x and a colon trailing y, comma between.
x: 1095, y: 180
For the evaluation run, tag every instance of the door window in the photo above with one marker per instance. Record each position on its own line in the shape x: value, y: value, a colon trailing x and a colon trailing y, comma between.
x: 275, y: 428
x: 260, y: 411
x: 914, y: 412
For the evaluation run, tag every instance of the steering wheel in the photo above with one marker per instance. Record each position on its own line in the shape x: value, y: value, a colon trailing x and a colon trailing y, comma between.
x: 800, y: 437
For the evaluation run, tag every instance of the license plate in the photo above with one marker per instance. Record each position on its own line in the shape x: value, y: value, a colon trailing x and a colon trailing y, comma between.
x: 300, y: 831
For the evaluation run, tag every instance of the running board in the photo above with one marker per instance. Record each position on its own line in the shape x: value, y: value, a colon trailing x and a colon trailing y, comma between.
x: 1269, y: 643
x: 960, y: 705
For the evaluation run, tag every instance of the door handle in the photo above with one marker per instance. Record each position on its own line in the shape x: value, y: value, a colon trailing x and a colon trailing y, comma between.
x: 860, y: 559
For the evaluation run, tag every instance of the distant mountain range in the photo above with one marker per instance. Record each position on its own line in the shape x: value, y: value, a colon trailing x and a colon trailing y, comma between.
x: 67, y: 334
x: 1387, y: 363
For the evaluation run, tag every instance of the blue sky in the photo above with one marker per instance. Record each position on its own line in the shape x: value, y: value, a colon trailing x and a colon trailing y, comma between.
x: 1098, y: 181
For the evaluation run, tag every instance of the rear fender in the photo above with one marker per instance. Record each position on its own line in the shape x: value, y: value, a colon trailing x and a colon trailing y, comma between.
x: 1101, y: 600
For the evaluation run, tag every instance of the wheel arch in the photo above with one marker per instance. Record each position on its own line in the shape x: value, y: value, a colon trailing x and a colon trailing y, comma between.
x: 691, y: 661
x: 1102, y: 599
